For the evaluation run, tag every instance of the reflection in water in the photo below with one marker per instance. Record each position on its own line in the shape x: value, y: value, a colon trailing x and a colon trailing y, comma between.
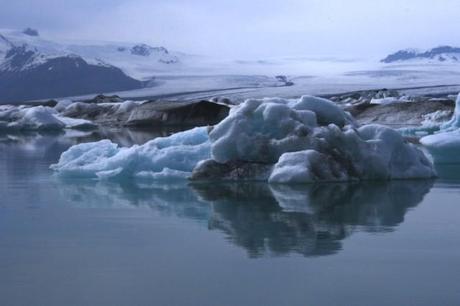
x: 263, y: 219
x: 122, y: 136
x: 310, y: 220
x: 448, y: 172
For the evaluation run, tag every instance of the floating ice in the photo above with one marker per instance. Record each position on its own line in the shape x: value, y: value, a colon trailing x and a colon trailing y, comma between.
x: 371, y: 152
x: 306, y: 166
x: 385, y: 101
x: 35, y: 118
x: 39, y: 118
x: 444, y: 146
x: 304, y: 141
x: 62, y: 105
x: 168, y: 157
x: 453, y: 123
x: 262, y: 130
x: 326, y: 111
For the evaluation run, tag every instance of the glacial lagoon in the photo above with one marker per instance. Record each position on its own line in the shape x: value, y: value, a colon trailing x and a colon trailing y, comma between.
x: 128, y: 242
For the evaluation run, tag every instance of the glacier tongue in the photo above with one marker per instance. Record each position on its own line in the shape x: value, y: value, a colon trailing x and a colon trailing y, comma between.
x: 278, y: 140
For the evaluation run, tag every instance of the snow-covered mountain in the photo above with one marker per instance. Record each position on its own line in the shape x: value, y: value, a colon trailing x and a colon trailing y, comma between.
x: 438, y: 54
x: 33, y: 68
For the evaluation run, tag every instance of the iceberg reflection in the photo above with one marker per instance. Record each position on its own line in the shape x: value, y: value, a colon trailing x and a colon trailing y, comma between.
x: 266, y: 220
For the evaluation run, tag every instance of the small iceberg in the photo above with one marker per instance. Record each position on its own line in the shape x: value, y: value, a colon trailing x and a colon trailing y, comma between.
x: 39, y: 118
x: 166, y: 157
x: 275, y: 140
x: 444, y: 146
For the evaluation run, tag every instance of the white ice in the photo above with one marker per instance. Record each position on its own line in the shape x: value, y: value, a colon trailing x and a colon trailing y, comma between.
x: 168, y: 157
x: 304, y: 141
x: 39, y: 118
x: 444, y: 146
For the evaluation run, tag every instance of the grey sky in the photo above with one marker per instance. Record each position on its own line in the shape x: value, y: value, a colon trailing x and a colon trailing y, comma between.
x: 238, y: 28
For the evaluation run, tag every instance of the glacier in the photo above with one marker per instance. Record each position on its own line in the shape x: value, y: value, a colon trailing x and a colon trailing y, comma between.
x: 276, y: 140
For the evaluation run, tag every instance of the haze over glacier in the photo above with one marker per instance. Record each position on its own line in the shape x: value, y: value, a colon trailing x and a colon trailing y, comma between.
x: 140, y: 70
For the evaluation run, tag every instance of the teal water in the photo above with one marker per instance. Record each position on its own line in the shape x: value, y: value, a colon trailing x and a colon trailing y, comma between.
x: 82, y: 242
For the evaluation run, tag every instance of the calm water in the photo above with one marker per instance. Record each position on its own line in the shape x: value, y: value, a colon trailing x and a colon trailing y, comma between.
x: 79, y: 242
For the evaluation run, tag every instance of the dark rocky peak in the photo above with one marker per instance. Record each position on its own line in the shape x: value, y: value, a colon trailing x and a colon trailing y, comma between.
x: 18, y: 57
x: 146, y: 50
x: 441, y: 53
x: 141, y: 50
x: 31, y: 32
x: 400, y: 56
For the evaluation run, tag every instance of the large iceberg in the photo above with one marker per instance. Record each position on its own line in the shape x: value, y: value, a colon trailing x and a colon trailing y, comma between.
x: 444, y: 146
x: 275, y: 140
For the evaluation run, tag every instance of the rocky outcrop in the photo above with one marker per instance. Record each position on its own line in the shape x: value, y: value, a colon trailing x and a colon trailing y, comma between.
x: 401, y: 114
x: 148, y: 114
x: 31, y: 32
x: 231, y: 171
x: 180, y: 114
x: 105, y: 99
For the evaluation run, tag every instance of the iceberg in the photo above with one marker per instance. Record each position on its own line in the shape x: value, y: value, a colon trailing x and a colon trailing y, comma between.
x: 444, y: 146
x: 453, y: 123
x: 61, y: 105
x: 275, y: 140
x: 39, y: 118
x: 371, y: 152
x: 166, y: 157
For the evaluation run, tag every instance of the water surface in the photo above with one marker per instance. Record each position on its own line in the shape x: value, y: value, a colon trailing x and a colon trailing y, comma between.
x: 83, y: 242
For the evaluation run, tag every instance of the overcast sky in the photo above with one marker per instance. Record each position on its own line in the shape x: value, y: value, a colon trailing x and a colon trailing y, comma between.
x: 245, y: 28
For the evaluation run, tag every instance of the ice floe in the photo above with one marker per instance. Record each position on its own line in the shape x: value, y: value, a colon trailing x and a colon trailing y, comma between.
x: 275, y: 140
x: 444, y: 146
x: 39, y: 118
x: 166, y: 157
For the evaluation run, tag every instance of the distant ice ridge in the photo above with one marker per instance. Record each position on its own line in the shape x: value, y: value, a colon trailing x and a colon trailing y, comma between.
x: 39, y: 118
x: 444, y: 146
x: 276, y: 140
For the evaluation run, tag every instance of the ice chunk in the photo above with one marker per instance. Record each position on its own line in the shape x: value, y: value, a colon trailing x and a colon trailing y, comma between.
x: 126, y: 106
x: 390, y: 156
x: 384, y: 101
x: 453, y: 123
x: 371, y: 152
x: 306, y: 167
x: 260, y: 131
x: 326, y: 111
x: 39, y: 118
x: 443, y: 147
x: 62, y: 105
x: 169, y: 157
x: 74, y: 123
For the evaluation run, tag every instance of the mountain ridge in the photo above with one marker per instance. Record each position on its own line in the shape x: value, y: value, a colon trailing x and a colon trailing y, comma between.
x: 32, y: 67
x: 439, y: 54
